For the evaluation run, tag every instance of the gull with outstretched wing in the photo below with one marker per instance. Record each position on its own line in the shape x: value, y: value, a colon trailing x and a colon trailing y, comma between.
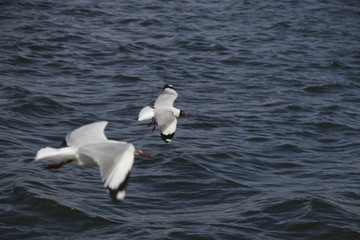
x: 88, y: 146
x: 164, y: 113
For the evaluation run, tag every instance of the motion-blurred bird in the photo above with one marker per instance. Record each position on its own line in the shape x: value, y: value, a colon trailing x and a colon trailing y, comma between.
x: 88, y: 146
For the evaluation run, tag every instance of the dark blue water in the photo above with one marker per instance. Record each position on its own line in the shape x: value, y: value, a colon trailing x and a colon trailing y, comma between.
x: 272, y: 148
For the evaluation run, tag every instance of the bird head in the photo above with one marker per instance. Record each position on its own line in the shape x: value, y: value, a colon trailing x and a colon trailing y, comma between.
x: 182, y: 113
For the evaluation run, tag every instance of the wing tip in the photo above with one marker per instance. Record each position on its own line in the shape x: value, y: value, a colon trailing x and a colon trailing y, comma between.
x: 168, y: 86
x: 167, y: 138
x: 117, y: 195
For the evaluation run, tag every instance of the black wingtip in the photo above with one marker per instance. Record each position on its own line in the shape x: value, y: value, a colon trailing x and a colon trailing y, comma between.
x: 114, y: 192
x: 168, y: 86
x: 167, y: 138
x: 113, y: 198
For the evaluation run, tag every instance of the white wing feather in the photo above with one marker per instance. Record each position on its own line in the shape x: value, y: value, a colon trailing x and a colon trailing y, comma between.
x: 166, y: 121
x: 115, y: 160
x: 87, y: 134
x: 166, y: 98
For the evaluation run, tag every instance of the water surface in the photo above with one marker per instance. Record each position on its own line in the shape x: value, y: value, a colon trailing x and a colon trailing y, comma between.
x: 271, y: 150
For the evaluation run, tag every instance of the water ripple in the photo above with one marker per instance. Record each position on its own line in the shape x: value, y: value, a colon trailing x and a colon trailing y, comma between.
x: 270, y: 150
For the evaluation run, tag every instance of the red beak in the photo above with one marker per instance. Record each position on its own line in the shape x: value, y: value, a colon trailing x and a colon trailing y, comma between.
x: 144, y: 154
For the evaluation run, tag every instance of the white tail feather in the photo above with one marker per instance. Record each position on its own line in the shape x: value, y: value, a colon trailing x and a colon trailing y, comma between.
x: 146, y: 113
x: 57, y: 154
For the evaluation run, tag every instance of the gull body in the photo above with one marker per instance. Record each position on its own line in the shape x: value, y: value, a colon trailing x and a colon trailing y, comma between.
x: 164, y: 113
x: 88, y: 146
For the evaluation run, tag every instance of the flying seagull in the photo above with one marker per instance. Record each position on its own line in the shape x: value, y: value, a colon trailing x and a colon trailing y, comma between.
x: 88, y: 146
x: 164, y: 113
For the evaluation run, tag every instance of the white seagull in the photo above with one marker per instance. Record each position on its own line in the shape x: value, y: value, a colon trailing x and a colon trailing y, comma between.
x: 88, y: 146
x: 164, y: 113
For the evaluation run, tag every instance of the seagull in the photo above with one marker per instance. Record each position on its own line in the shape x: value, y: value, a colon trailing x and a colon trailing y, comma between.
x: 164, y: 113
x: 88, y: 146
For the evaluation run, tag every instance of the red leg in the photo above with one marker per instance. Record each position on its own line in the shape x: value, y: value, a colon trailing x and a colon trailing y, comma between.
x: 58, y: 165
x: 152, y: 121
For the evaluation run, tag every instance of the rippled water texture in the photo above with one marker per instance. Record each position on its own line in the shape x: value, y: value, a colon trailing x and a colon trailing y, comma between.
x: 271, y: 150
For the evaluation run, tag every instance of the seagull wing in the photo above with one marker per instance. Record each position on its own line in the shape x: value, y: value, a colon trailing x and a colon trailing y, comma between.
x: 166, y: 98
x: 167, y: 123
x: 87, y: 134
x: 115, y: 160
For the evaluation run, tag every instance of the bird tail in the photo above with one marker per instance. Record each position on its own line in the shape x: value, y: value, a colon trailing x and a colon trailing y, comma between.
x: 56, y: 154
x: 146, y: 113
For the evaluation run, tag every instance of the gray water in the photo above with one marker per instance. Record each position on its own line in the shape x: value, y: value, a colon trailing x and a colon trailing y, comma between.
x: 271, y: 150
